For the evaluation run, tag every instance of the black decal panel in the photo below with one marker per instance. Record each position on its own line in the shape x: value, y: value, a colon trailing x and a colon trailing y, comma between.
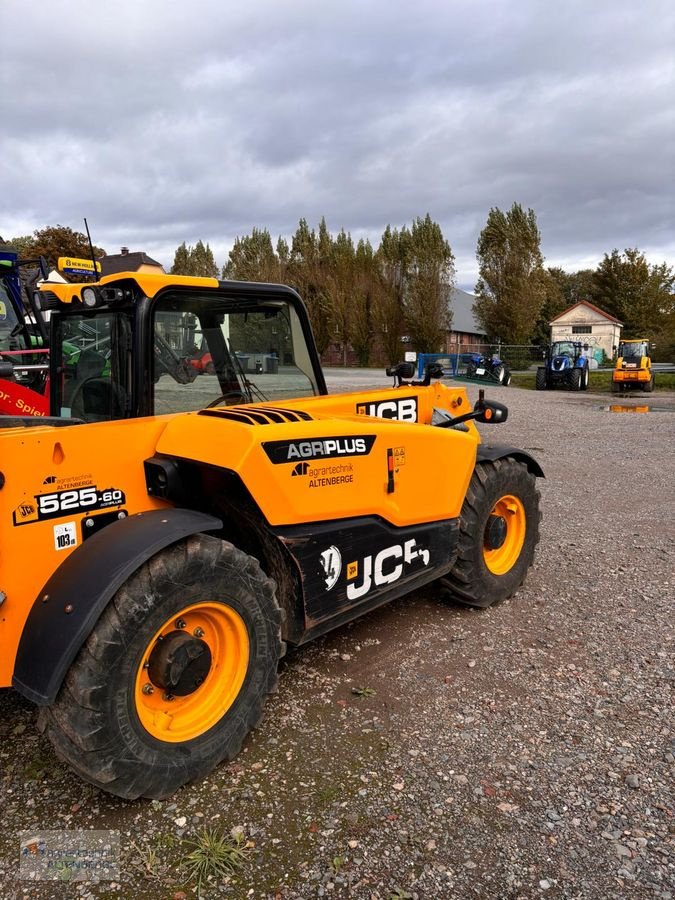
x: 344, y: 564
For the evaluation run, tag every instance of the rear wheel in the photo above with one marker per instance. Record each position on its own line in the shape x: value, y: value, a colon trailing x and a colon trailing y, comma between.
x: 174, y: 674
x: 499, y: 531
x: 616, y: 387
x: 540, y: 380
x: 648, y: 386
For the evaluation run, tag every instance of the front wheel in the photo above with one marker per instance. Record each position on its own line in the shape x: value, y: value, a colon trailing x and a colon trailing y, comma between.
x: 174, y: 674
x: 585, y: 378
x: 574, y: 381
x: 541, y: 381
x: 499, y: 531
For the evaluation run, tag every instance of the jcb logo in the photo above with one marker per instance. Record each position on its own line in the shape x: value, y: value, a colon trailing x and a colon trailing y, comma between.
x: 25, y: 512
x: 385, y: 567
x: 402, y: 408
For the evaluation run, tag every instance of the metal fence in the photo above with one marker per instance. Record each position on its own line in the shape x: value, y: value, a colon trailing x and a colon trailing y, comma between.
x: 515, y: 356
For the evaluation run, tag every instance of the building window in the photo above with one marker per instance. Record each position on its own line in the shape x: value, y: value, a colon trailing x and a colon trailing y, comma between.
x: 582, y: 329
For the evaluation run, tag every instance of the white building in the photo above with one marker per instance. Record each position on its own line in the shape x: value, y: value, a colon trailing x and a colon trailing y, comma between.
x: 591, y: 326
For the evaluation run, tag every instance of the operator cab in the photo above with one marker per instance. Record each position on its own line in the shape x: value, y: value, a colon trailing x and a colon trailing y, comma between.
x: 634, y: 349
x: 119, y: 353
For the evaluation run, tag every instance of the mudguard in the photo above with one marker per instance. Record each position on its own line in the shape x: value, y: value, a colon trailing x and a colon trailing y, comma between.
x: 68, y: 607
x: 499, y: 451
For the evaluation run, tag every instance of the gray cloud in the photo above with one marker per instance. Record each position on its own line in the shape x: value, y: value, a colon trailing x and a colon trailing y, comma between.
x: 163, y: 122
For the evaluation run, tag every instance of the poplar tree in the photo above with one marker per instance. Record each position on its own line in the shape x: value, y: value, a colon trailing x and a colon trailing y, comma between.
x: 430, y: 274
x: 511, y: 285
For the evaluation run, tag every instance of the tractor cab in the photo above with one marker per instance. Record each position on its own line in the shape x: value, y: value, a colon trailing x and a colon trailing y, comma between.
x: 126, y: 346
x: 570, y: 350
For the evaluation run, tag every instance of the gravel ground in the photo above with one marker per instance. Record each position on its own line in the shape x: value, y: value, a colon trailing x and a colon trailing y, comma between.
x: 432, y: 751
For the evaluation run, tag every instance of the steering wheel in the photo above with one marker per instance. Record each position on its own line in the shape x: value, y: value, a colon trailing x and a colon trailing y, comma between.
x: 97, y: 399
x: 231, y: 398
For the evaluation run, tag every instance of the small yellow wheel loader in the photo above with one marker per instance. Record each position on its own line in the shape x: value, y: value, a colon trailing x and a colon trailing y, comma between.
x: 165, y: 535
x: 633, y: 367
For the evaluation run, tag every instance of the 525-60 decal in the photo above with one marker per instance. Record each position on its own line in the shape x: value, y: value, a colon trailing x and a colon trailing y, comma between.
x: 63, y: 503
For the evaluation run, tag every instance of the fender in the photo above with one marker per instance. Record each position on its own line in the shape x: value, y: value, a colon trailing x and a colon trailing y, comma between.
x: 501, y: 450
x: 71, y: 602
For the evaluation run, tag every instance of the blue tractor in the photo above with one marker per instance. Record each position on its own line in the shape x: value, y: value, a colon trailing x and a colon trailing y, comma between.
x: 566, y: 366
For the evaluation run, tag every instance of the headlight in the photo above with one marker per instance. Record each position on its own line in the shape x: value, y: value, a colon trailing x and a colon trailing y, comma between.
x: 90, y: 297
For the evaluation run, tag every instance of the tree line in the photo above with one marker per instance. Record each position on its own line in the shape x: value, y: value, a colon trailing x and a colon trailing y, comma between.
x: 367, y: 297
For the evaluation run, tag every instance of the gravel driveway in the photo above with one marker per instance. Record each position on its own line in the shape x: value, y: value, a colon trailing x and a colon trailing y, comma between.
x: 432, y: 751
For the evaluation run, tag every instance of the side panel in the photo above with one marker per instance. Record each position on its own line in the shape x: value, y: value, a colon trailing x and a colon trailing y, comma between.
x: 364, y: 562
x: 72, y: 600
x: 55, y: 482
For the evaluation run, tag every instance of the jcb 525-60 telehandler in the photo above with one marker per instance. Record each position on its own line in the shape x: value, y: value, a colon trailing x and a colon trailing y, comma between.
x: 163, y: 536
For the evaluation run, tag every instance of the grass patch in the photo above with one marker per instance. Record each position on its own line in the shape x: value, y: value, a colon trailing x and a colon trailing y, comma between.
x: 600, y: 382
x: 212, y: 855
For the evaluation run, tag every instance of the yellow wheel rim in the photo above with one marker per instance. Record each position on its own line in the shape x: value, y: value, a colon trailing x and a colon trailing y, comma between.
x: 178, y: 719
x: 502, y: 559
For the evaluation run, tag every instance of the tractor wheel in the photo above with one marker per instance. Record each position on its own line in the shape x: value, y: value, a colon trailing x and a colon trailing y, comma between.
x: 209, y: 368
x: 574, y: 379
x: 499, y: 531
x: 541, y: 381
x: 174, y: 674
x: 507, y: 377
x: 648, y: 386
x: 470, y: 371
x: 616, y: 387
x: 585, y: 378
x: 500, y: 374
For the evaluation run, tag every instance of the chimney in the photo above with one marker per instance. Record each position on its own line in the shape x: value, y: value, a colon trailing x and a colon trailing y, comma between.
x: 124, y: 251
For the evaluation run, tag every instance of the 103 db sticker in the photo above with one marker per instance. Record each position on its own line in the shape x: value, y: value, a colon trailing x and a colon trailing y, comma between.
x: 62, y: 503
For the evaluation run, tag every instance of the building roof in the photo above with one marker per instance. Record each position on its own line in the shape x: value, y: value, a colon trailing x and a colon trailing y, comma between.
x: 596, y: 309
x: 461, y: 306
x: 126, y: 262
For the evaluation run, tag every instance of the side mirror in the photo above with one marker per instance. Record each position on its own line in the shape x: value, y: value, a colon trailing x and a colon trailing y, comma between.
x: 490, y: 412
x: 6, y: 369
x: 487, y: 411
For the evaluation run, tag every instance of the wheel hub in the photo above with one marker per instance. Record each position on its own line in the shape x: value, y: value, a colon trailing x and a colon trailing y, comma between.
x: 495, y: 533
x: 179, y: 663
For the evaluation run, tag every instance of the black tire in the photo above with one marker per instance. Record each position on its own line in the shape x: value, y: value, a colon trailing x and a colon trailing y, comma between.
x: 574, y: 379
x: 507, y: 376
x: 94, y: 723
x: 470, y: 371
x: 541, y: 382
x: 500, y: 374
x: 585, y: 378
x: 616, y: 387
x: 649, y: 385
x: 472, y: 580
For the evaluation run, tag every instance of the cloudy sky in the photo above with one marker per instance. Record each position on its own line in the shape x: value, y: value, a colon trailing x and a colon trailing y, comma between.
x: 164, y: 121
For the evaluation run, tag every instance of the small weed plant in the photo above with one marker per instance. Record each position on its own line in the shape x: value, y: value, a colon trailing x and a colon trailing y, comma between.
x: 213, y: 855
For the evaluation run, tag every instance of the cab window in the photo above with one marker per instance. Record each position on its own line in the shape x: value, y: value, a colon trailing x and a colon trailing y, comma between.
x: 216, y: 351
